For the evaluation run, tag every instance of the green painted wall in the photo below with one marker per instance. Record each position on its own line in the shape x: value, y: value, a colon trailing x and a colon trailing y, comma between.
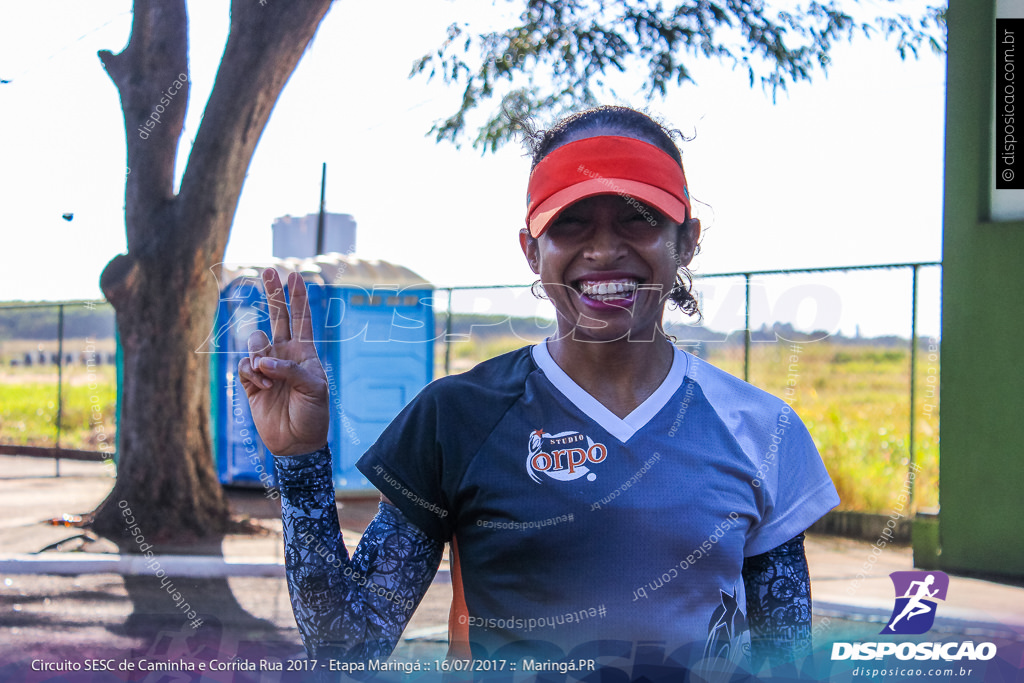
x: 981, y: 524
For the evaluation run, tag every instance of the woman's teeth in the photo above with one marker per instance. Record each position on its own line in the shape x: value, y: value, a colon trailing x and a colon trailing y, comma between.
x: 607, y: 290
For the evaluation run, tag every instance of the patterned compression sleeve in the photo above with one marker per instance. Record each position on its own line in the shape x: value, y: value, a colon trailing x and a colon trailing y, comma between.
x: 348, y: 609
x: 778, y: 589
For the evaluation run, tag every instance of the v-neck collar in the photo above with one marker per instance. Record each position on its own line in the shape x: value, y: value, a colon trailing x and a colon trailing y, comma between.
x: 621, y: 428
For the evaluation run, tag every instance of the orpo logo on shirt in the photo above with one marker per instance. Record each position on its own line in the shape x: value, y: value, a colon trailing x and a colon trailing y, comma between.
x: 564, y: 456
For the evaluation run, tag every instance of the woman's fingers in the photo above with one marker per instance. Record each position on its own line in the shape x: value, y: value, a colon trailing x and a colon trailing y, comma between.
x: 276, y: 305
x: 258, y: 344
x: 302, y: 321
x: 251, y: 379
x: 248, y: 367
x: 293, y: 374
x: 247, y: 376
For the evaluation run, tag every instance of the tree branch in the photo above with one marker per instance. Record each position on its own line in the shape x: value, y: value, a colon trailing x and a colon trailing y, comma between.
x: 264, y: 46
x: 119, y: 279
x: 144, y: 72
x: 555, y: 57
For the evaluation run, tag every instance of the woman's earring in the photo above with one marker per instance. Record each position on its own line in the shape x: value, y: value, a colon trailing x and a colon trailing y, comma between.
x: 537, y: 289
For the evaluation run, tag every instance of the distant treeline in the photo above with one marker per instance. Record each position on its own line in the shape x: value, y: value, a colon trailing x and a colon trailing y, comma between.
x: 97, y: 321
x: 493, y: 326
x: 80, y: 320
x: 783, y: 332
x: 481, y: 326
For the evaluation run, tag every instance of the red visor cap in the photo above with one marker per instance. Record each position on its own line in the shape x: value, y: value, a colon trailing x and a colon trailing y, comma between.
x: 605, y: 164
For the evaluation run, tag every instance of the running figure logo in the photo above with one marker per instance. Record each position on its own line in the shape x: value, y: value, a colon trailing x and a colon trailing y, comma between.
x: 916, y: 592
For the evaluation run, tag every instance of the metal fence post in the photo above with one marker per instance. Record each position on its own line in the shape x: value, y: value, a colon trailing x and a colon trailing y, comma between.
x: 60, y: 380
x: 746, y: 331
x: 448, y: 336
x: 913, y: 375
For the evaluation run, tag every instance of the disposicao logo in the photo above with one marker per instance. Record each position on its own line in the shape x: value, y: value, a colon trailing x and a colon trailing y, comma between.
x: 916, y: 593
x: 913, y: 614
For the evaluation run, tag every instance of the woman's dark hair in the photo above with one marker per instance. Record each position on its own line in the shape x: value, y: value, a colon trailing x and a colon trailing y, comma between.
x: 620, y: 119
x: 623, y: 120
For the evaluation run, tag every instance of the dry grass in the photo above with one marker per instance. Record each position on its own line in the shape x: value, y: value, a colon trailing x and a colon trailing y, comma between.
x: 853, y: 399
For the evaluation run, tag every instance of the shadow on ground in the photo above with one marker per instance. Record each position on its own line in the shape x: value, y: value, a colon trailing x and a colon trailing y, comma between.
x: 135, y: 623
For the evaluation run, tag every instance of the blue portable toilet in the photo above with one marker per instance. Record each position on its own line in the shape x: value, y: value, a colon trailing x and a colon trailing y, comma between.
x: 373, y: 328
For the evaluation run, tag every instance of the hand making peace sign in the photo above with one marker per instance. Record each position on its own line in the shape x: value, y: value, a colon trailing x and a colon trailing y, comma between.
x: 285, y: 383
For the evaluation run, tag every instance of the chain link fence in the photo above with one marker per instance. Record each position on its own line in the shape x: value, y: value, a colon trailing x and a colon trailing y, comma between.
x: 870, y: 399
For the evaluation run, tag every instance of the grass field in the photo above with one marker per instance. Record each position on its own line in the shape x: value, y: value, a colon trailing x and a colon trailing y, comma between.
x: 854, y: 400
x: 28, y: 397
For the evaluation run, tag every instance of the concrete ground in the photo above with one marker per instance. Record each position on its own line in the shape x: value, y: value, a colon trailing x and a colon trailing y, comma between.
x: 104, y: 608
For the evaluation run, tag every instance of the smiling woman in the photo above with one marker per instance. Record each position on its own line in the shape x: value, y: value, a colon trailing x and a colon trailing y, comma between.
x: 607, y: 272
x: 696, y: 547
x: 617, y: 151
x: 609, y: 196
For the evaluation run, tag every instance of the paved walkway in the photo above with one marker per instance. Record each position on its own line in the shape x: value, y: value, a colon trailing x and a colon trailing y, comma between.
x: 66, y: 592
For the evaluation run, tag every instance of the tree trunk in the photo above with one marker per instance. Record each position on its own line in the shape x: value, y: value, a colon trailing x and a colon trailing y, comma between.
x: 164, y: 289
x: 165, y: 478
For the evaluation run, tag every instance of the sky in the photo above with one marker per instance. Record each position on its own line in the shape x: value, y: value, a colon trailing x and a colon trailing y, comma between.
x: 844, y: 171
